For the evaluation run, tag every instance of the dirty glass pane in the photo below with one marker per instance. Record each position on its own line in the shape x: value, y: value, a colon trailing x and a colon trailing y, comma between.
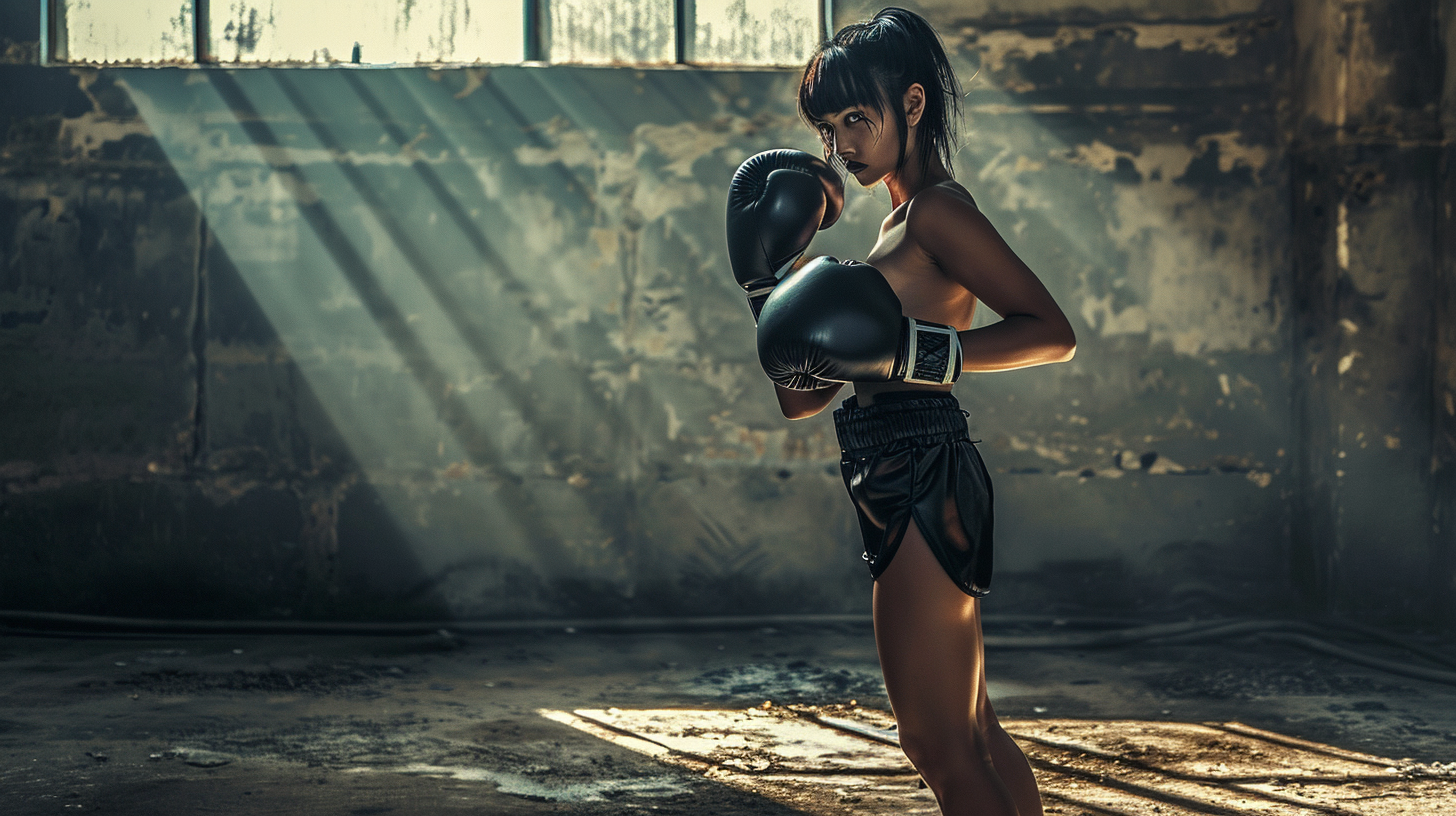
x: 387, y: 31
x: 134, y: 31
x: 756, y: 32
x: 612, y: 31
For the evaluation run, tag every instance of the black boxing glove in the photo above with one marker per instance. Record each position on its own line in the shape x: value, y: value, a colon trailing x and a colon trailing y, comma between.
x: 776, y: 201
x: 842, y: 322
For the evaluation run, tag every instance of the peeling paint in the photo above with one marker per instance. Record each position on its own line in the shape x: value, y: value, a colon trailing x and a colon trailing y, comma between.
x: 1107, y: 321
x: 1171, y: 162
x: 474, y: 79
x: 1197, y: 300
x: 1215, y: 39
x: 1163, y: 465
x: 1000, y: 46
x: 573, y: 147
x: 681, y: 144
x: 1099, y: 156
x: 1233, y: 152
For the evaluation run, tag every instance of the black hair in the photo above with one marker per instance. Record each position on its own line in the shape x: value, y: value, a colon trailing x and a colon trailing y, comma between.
x: 872, y: 63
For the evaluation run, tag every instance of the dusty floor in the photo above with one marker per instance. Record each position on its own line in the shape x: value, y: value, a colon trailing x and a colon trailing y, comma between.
x: 769, y: 721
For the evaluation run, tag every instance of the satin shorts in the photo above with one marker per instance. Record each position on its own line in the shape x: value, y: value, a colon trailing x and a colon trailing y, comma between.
x: 908, y: 457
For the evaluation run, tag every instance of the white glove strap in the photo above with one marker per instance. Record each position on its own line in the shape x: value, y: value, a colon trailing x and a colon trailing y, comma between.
x: 942, y: 357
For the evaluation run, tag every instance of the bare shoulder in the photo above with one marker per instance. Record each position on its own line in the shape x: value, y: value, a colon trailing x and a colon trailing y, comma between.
x: 941, y: 211
x: 951, y: 189
x: 946, y: 224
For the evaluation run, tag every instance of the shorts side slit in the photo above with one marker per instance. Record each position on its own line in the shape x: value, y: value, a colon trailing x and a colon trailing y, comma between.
x: 908, y: 457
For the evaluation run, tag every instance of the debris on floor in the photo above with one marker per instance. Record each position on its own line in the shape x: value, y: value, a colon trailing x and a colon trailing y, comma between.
x: 1122, y: 767
x: 779, y: 722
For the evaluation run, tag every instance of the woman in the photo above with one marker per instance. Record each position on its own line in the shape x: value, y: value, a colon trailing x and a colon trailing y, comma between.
x: 883, y: 98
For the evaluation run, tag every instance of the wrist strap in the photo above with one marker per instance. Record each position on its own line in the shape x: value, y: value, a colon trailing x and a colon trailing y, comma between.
x: 934, y: 353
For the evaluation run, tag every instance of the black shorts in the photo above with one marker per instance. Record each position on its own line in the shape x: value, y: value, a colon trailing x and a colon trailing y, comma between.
x: 908, y: 457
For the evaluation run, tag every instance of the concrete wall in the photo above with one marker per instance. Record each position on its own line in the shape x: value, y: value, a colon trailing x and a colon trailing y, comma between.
x: 371, y: 344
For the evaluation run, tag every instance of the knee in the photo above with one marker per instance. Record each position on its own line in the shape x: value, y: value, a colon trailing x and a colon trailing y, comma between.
x: 986, y: 723
x: 941, y: 757
x: 918, y: 748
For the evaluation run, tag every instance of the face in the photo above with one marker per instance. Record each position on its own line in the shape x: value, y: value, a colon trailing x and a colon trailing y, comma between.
x: 866, y: 141
x: 869, y: 142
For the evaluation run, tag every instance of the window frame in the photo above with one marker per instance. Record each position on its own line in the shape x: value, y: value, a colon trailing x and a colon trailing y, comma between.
x: 536, y: 20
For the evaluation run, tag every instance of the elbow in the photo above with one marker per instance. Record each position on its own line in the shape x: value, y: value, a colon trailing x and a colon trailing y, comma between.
x: 804, y: 404
x: 1066, y: 346
x: 794, y: 409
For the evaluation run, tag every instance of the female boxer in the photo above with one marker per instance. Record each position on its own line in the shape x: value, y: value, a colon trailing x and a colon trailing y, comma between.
x: 883, y: 99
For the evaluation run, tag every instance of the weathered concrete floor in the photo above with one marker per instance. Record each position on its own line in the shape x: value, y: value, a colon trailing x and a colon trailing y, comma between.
x: 677, y: 723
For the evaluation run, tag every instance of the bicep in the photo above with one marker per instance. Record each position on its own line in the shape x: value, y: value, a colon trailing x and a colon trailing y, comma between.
x: 970, y: 251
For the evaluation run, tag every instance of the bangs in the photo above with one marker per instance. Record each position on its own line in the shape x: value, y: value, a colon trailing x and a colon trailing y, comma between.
x: 834, y: 81
x: 869, y: 65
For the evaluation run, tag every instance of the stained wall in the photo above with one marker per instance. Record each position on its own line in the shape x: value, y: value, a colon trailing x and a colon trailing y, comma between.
x: 350, y: 343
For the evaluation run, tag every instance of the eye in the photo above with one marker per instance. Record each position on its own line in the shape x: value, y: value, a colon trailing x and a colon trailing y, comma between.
x: 853, y: 118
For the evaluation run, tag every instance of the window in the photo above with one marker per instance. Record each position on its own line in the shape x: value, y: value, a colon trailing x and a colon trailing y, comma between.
x: 387, y: 31
x: 756, y: 32
x: 406, y: 32
x: 136, y: 31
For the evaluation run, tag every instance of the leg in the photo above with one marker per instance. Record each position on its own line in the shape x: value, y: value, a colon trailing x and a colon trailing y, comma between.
x: 1010, y: 762
x: 928, y: 635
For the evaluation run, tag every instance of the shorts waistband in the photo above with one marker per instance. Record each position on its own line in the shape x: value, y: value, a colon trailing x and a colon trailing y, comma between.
x: 897, y: 415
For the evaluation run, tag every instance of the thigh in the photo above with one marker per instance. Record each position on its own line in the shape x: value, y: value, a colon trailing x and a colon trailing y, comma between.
x: 928, y: 635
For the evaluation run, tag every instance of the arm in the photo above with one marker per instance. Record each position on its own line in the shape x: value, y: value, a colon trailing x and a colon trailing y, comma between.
x: 1033, y: 330
x: 804, y: 404
x: 842, y: 322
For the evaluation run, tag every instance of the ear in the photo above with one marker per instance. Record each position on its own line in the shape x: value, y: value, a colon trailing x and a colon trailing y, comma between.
x: 914, y: 102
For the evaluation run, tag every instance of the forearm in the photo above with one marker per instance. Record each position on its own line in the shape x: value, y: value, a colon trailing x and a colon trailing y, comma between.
x: 804, y: 404
x: 1018, y: 341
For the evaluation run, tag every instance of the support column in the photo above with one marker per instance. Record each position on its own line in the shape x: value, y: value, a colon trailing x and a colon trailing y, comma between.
x: 1365, y: 152
x: 1443, y: 390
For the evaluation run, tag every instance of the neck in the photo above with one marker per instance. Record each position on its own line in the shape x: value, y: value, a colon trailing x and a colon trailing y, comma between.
x: 908, y: 181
